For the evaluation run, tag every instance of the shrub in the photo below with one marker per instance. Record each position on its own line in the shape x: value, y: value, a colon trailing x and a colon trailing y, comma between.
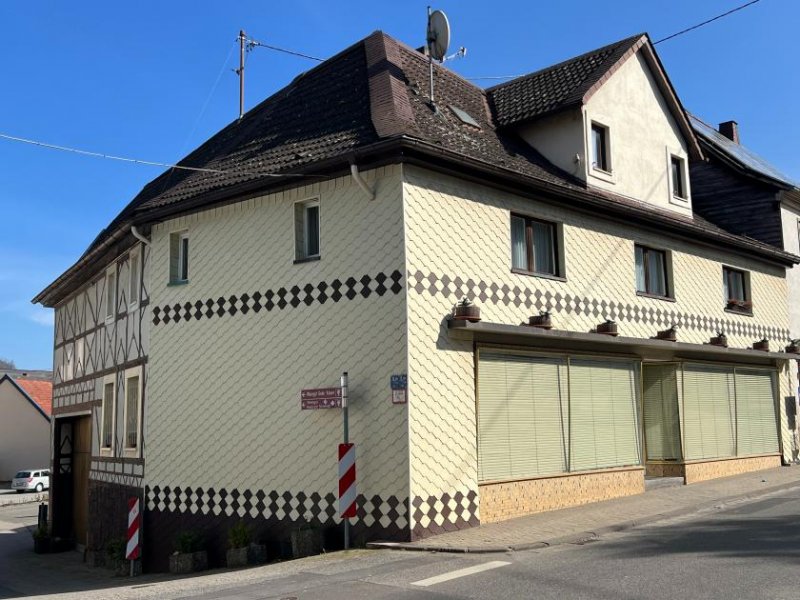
x: 187, y: 542
x: 239, y: 536
x: 115, y: 549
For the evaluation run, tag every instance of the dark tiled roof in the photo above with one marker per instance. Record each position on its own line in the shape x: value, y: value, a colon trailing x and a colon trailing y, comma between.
x: 557, y: 87
x: 743, y: 157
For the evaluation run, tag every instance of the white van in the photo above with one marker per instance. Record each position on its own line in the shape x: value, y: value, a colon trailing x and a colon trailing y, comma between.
x: 31, y: 480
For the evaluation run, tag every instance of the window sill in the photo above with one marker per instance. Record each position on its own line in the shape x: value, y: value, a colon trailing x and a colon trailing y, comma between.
x: 540, y: 275
x: 739, y: 311
x: 307, y: 259
x: 655, y: 296
x: 607, y: 176
x: 130, y: 453
x: 107, y: 452
x: 178, y: 282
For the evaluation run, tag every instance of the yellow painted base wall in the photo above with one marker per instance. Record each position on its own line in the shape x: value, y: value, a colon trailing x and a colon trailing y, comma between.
x: 704, y: 471
x: 500, y: 501
x: 664, y: 469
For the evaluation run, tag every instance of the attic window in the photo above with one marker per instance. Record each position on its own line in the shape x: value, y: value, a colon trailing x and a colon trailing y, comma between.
x: 464, y: 116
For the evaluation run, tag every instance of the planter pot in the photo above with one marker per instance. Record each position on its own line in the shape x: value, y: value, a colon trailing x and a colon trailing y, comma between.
x: 41, y: 545
x: 719, y: 340
x: 188, y: 563
x: 762, y: 345
x: 792, y: 349
x: 669, y: 335
x: 470, y: 313
x: 236, y: 557
x: 256, y: 554
x: 119, y: 566
x: 608, y: 328
x: 306, y: 542
x: 541, y: 321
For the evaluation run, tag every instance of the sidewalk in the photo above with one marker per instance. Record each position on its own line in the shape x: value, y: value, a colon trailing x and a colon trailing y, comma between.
x: 591, y: 520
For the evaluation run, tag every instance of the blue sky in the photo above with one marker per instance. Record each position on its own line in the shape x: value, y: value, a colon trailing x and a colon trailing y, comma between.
x: 132, y: 79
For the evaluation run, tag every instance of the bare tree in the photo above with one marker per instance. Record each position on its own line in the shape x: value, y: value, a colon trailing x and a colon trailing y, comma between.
x: 7, y: 364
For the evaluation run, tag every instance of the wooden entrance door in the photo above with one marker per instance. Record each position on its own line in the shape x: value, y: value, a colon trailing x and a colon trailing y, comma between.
x: 81, y: 460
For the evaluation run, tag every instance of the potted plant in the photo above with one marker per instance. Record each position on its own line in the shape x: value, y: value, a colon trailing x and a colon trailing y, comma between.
x: 238, y: 542
x: 543, y: 320
x: 41, y: 540
x: 669, y: 335
x: 306, y: 541
x: 719, y: 340
x: 115, y: 556
x: 256, y: 553
x: 762, y: 344
x: 739, y: 305
x: 189, y: 555
x: 793, y: 347
x: 608, y: 327
x: 467, y: 311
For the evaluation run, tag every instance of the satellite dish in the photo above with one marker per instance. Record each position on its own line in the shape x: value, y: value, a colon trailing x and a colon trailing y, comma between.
x: 438, y: 35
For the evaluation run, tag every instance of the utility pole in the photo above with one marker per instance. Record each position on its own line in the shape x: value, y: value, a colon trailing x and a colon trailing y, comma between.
x: 240, y: 71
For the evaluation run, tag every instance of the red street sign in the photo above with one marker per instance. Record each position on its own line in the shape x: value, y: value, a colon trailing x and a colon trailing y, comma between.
x: 313, y: 399
x: 134, y: 524
x: 347, y: 481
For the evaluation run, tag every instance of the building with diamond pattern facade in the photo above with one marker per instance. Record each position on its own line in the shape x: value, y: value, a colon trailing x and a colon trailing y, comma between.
x: 325, y: 236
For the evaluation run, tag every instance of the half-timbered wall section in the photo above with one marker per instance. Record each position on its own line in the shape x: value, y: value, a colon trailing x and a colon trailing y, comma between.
x: 101, y: 345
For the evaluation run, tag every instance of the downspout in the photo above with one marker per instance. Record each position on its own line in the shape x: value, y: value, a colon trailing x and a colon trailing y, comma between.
x: 137, y: 234
x: 360, y: 181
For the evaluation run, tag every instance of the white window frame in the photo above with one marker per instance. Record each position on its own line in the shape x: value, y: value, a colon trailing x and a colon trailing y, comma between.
x: 300, y: 222
x: 673, y: 198
x: 177, y: 277
x: 604, y: 174
x: 130, y: 452
x: 111, y: 294
x: 112, y: 379
x: 134, y: 278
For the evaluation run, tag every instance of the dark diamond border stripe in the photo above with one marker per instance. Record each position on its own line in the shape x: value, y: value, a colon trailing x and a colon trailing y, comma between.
x: 375, y: 511
x: 464, y: 506
x: 281, y: 299
x: 557, y: 302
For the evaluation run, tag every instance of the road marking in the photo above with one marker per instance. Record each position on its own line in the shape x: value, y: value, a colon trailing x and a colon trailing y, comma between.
x: 495, y: 564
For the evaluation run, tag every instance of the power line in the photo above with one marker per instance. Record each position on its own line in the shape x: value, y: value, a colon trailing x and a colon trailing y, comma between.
x: 140, y: 161
x: 494, y: 77
x: 693, y: 27
x: 251, y: 43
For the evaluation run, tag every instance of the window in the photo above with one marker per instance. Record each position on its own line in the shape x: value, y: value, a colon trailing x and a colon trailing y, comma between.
x: 107, y: 432
x: 534, y: 246
x: 133, y: 286
x: 80, y: 358
x: 69, y: 364
x: 736, y: 285
x: 600, y: 154
x: 111, y: 294
x: 678, y: 174
x: 133, y: 407
x: 651, y: 272
x: 306, y: 230
x: 179, y: 257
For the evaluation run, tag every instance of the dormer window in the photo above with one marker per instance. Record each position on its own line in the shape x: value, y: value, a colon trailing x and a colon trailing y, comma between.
x: 600, y: 154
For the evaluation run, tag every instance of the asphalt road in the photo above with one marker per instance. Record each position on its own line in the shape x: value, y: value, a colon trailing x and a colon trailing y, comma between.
x: 739, y: 551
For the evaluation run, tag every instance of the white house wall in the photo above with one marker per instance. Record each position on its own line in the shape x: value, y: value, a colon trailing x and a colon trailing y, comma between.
x: 642, y: 134
x: 233, y: 348
x: 24, y: 433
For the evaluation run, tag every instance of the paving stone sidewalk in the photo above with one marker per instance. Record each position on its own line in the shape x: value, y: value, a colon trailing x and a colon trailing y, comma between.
x: 591, y: 520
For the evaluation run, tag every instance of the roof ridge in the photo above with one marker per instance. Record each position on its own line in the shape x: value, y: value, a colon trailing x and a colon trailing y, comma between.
x: 564, y: 63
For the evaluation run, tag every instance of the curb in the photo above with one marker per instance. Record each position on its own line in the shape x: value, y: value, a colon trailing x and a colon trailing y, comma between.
x: 584, y: 536
x: 14, y: 499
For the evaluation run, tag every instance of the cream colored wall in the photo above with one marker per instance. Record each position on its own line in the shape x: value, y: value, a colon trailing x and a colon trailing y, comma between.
x: 24, y: 434
x: 110, y: 346
x: 462, y: 231
x: 560, y: 139
x: 642, y: 134
x: 225, y: 391
x: 790, y: 222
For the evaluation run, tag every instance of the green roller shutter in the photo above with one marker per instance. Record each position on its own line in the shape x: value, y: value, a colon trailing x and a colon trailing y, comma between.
x: 604, y: 414
x: 661, y: 417
x: 708, y: 411
x: 522, y: 416
x: 755, y: 412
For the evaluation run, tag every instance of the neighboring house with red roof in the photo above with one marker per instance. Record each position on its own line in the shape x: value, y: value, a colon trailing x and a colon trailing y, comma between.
x: 25, y: 408
x: 333, y: 228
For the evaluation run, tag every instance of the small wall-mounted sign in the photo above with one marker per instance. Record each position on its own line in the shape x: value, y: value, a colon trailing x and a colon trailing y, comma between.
x: 315, y: 398
x: 399, y: 385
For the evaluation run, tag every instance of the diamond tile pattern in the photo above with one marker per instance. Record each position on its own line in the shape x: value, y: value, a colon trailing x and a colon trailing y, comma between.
x: 315, y: 507
x: 458, y: 244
